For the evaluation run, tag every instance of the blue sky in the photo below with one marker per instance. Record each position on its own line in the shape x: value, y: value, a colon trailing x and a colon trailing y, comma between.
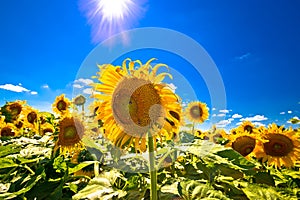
x: 254, y: 44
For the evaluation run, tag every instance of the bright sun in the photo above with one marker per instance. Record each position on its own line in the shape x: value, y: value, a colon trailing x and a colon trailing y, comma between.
x: 109, y: 17
x: 114, y: 9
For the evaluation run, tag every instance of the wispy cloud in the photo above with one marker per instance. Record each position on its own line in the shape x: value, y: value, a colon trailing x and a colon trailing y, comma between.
x: 255, y: 118
x: 16, y: 88
x: 221, y: 115
x: 45, y: 86
x: 224, y: 111
x: 77, y: 86
x: 223, y: 123
x: 88, y: 91
x: 236, y: 116
x: 282, y: 113
x: 243, y: 57
x: 84, y: 81
x: 172, y: 86
x: 290, y: 112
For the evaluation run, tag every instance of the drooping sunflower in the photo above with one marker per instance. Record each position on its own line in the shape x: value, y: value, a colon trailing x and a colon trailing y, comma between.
x: 134, y: 101
x: 71, y: 131
x: 243, y: 142
x: 61, y: 105
x: 197, y: 112
x: 8, y: 129
x: 79, y: 100
x: 30, y: 116
x: 281, y: 148
x: 12, y: 110
x: 46, y: 128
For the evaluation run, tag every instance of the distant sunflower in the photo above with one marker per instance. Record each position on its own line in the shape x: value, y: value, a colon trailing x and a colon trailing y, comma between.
x: 46, y: 128
x: 12, y: 110
x: 197, y: 112
x: 247, y: 126
x: 30, y: 116
x: 79, y: 100
x: 282, y: 147
x: 134, y: 102
x: 61, y: 105
x: 243, y: 142
x: 8, y: 129
x: 214, y: 135
x: 71, y: 130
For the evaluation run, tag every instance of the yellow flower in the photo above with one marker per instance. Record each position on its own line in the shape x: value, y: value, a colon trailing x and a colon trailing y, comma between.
x: 247, y: 126
x: 71, y: 130
x: 214, y: 135
x: 243, y: 142
x: 281, y: 148
x: 30, y: 116
x: 197, y: 112
x: 61, y: 105
x: 12, y: 110
x: 46, y: 128
x: 134, y: 102
x: 8, y: 129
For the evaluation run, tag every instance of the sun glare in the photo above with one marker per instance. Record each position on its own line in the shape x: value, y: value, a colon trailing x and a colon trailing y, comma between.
x: 109, y: 17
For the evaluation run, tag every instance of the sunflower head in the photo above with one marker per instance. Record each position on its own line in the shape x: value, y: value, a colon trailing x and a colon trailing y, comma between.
x: 8, y: 129
x: 197, y: 112
x: 247, y: 126
x: 135, y: 102
x: 46, y: 128
x: 280, y: 148
x: 12, y: 110
x: 61, y: 105
x: 71, y: 131
x: 79, y: 100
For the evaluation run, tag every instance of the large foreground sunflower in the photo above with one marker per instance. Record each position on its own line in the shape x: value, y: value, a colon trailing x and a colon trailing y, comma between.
x: 71, y: 130
x: 134, y: 101
x: 197, y: 112
x: 282, y: 146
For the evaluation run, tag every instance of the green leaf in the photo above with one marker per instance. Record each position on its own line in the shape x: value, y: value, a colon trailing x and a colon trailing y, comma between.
x: 81, y: 166
x: 7, y: 163
x: 9, y: 150
x: 262, y: 192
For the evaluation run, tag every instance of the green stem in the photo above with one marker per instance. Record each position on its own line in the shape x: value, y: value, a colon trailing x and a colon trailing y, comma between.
x: 153, y: 170
x: 193, y: 128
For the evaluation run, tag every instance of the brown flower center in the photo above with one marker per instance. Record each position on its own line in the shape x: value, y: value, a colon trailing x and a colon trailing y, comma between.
x: 279, y: 145
x: 6, y: 131
x: 31, y: 117
x: 244, y: 145
x: 196, y: 112
x: 15, y: 109
x: 136, y: 105
x: 248, y: 128
x: 47, y: 130
x: 61, y: 105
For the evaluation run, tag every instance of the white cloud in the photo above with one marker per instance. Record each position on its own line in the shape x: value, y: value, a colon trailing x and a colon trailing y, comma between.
x: 255, y: 118
x: 223, y: 123
x: 290, y: 112
x: 84, y: 81
x: 33, y: 92
x: 221, y: 115
x: 235, y: 116
x: 77, y: 86
x: 46, y: 86
x: 224, y: 111
x: 258, y: 124
x: 88, y: 91
x: 282, y: 113
x: 172, y: 87
x: 242, y: 57
x: 214, y: 115
x: 213, y: 109
x: 14, y: 88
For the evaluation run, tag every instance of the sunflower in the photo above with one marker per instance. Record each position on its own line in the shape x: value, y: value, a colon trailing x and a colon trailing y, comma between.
x: 135, y: 102
x: 61, y: 105
x: 8, y: 129
x: 243, y: 142
x: 214, y: 135
x: 71, y: 130
x: 12, y: 110
x: 197, y: 112
x: 281, y: 148
x: 79, y: 100
x: 247, y: 126
x: 46, y: 128
x: 30, y: 116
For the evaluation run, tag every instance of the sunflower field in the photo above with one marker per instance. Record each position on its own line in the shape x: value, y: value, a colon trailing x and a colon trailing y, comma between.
x: 136, y: 140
